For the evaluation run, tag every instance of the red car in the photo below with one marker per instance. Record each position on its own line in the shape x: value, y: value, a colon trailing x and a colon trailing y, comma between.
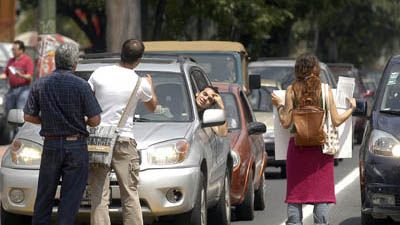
x: 247, y: 149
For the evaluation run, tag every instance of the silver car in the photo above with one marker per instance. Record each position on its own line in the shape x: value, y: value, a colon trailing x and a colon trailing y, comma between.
x: 185, y: 167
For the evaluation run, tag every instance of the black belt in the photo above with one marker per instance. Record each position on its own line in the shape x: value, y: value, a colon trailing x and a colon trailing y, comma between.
x: 67, y: 138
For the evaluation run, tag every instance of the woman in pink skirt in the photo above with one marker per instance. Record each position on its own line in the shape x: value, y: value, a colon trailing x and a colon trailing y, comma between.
x: 310, y: 178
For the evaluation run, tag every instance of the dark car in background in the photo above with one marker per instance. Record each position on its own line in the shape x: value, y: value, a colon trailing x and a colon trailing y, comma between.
x: 380, y: 152
x: 360, y: 92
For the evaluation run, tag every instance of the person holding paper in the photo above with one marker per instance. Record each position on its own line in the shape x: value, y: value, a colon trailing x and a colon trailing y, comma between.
x: 310, y: 178
x: 19, y: 71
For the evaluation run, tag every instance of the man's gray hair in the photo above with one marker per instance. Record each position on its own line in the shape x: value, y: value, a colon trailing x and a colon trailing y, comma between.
x: 67, y: 56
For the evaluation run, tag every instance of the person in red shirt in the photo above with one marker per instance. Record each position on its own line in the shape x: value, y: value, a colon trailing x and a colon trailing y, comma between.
x: 19, y: 71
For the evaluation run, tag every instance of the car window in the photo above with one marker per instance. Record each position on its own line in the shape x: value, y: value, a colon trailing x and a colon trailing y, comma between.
x: 391, y: 97
x: 221, y: 67
x: 173, y: 99
x: 231, y: 110
x: 198, y: 79
x: 261, y: 100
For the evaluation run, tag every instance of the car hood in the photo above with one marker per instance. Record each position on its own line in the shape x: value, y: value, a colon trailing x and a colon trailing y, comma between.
x: 146, y: 134
x: 267, y: 118
x: 387, y: 122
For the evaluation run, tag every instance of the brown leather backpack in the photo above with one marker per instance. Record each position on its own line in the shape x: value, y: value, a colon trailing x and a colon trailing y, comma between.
x: 308, y: 120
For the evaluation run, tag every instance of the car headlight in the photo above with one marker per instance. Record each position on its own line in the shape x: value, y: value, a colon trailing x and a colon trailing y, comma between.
x: 1, y: 100
x: 23, y: 154
x: 166, y: 153
x: 384, y: 144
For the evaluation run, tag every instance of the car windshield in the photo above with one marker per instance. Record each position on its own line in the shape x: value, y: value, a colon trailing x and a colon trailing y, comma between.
x: 219, y: 67
x: 282, y: 74
x: 260, y: 99
x: 391, y: 97
x: 172, y: 94
x: 231, y: 110
x: 173, y: 99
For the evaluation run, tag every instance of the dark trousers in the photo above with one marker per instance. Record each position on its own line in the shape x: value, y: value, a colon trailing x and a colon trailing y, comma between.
x: 67, y: 160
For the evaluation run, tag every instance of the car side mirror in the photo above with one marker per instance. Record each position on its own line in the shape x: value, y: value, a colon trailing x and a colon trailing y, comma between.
x: 361, y: 108
x: 213, y: 117
x: 254, y: 81
x: 16, y: 116
x: 256, y: 128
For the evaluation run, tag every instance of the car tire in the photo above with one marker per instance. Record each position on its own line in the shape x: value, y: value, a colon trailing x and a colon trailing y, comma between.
x: 221, y: 213
x: 259, y: 197
x: 283, y: 172
x: 245, y: 211
x: 367, y: 219
x: 198, y: 215
x: 8, y: 218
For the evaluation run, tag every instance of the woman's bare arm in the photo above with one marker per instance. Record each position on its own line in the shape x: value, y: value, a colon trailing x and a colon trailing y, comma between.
x: 284, y: 110
x: 337, y: 119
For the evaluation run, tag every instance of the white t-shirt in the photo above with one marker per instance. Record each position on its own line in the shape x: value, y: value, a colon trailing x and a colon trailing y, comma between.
x: 113, y: 85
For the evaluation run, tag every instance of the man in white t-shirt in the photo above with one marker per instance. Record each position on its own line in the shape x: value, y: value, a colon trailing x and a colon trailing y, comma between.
x: 113, y: 86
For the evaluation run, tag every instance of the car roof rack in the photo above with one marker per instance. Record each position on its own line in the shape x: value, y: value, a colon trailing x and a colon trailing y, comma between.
x: 147, y: 58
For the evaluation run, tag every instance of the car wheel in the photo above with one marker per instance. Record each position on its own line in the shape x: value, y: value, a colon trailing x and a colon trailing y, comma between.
x: 283, y: 171
x: 367, y: 219
x: 221, y: 214
x: 259, y: 198
x: 245, y: 211
x: 198, y: 215
x: 8, y: 218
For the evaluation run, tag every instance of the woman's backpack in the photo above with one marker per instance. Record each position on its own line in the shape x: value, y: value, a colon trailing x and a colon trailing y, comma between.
x: 308, y: 120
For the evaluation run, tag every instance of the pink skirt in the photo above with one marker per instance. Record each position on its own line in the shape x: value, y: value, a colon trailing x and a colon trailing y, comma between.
x: 310, y: 177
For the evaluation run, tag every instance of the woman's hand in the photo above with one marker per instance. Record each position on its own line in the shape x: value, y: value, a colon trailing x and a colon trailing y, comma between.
x: 352, y: 102
x: 276, y: 101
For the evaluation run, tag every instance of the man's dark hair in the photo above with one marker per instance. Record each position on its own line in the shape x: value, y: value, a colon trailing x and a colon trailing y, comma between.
x: 132, y: 50
x: 20, y: 45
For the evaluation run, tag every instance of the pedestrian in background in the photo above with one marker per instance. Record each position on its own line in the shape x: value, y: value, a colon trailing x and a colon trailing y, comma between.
x: 19, y: 71
x: 310, y: 174
x: 113, y: 86
x: 60, y: 103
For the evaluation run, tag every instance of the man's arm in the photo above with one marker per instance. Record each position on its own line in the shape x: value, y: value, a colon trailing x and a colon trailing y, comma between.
x: 152, y: 103
x: 3, y: 76
x: 32, y: 119
x: 93, y: 121
x: 26, y: 76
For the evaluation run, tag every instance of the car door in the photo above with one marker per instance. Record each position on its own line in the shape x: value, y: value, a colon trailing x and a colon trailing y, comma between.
x: 209, y: 139
x: 256, y: 141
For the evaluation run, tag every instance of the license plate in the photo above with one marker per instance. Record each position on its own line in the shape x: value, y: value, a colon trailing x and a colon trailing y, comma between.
x: 87, y: 194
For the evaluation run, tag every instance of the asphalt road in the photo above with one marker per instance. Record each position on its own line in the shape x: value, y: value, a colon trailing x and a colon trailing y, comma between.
x: 345, y: 212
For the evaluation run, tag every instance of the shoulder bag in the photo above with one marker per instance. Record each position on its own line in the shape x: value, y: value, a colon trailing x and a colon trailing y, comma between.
x: 102, y: 139
x: 331, y: 146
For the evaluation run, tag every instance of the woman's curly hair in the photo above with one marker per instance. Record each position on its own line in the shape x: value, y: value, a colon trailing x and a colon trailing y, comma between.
x: 307, y: 85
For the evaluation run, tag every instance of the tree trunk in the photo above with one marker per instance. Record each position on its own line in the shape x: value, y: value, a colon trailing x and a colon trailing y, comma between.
x: 159, y: 19
x: 123, y: 22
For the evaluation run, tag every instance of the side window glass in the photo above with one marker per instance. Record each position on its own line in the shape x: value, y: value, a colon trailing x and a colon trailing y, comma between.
x: 198, y: 79
x: 246, y: 107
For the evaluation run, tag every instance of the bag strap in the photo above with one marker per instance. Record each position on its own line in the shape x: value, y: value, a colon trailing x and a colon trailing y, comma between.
x: 129, y: 105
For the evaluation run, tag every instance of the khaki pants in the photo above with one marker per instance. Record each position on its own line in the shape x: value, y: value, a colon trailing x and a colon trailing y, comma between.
x: 125, y: 162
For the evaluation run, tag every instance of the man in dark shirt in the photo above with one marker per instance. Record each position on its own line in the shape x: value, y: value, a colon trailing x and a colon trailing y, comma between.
x: 60, y: 103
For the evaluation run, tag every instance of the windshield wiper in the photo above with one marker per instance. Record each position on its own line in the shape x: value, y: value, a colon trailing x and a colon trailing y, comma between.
x: 140, y: 119
x: 394, y: 112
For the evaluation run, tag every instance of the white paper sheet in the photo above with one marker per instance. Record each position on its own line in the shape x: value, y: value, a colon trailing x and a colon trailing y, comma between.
x: 282, y: 135
x: 345, y: 89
